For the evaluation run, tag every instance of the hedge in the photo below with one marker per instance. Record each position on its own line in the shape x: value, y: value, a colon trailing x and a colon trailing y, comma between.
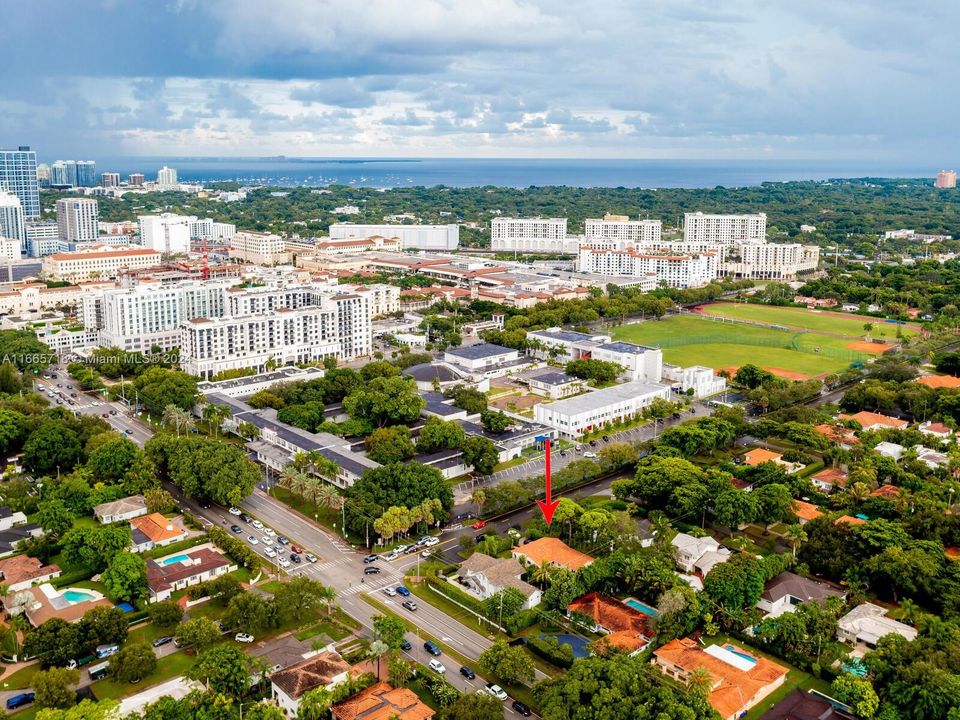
x: 551, y: 650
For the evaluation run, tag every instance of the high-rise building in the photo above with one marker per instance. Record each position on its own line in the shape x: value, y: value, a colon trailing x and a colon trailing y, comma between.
x: 135, y: 179
x: 18, y: 174
x: 86, y: 173
x: 77, y: 220
x: 620, y: 228
x: 43, y: 175
x: 724, y: 229
x: 166, y: 233
x: 110, y: 179
x: 43, y: 238
x: 12, y: 223
x: 167, y: 177
x: 531, y: 235
x: 946, y: 179
x: 63, y: 174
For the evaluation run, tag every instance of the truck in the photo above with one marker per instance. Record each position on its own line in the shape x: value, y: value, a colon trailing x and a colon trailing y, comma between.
x: 99, y: 671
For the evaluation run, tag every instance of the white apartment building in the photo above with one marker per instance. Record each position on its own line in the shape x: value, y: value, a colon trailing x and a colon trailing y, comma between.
x: 222, y: 231
x: 97, y: 262
x: 724, y: 229
x: 671, y: 270
x: 620, y: 229
x: 12, y: 224
x: 167, y: 177
x: 77, y: 220
x: 702, y: 380
x: 436, y: 238
x: 352, y: 246
x: 43, y: 238
x: 545, y: 235
x: 774, y: 261
x: 9, y: 250
x: 339, y: 327
x: 574, y: 416
x: 167, y: 233
x: 258, y: 248
x: 383, y: 299
x: 642, y: 363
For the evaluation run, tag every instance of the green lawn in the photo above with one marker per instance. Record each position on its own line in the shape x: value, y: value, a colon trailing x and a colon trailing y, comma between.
x: 828, y: 321
x: 168, y: 667
x: 21, y: 679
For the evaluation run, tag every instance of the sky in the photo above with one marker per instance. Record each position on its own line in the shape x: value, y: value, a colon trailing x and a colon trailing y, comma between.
x: 743, y: 79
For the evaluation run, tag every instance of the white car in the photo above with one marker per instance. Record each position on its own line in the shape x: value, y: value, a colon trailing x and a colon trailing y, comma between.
x: 270, y: 531
x: 496, y: 691
x: 257, y: 524
x: 431, y: 541
x: 437, y: 667
x: 311, y: 557
x: 426, y: 553
x: 284, y: 563
x: 589, y: 455
x: 252, y: 540
x: 391, y: 556
x: 389, y: 592
x: 234, y: 511
x: 270, y: 552
x: 243, y: 637
x: 266, y: 540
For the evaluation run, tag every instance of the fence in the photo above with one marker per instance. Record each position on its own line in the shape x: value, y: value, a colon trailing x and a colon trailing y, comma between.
x: 787, y: 342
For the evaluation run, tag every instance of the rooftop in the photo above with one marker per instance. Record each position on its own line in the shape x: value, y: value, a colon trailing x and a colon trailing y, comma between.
x: 869, y: 419
x: 625, y: 347
x: 554, y: 378
x: 629, y: 628
x: 200, y: 560
x: 805, y: 510
x: 869, y: 623
x: 758, y: 456
x: 602, y: 398
x: 121, y: 506
x: 552, y: 550
x: 314, y: 672
x: 20, y: 568
x: 157, y: 528
x: 382, y: 702
x: 793, y: 585
x: 479, y: 351
x: 501, y: 572
x: 800, y: 705
x: 939, y: 381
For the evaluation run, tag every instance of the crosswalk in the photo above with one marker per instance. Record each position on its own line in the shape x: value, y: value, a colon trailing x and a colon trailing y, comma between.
x: 370, y: 585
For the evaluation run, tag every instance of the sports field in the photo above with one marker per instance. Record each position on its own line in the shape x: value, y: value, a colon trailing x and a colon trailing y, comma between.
x: 824, y: 321
x: 691, y: 340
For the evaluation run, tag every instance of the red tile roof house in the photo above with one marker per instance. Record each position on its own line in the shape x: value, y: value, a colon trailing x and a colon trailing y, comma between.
x: 829, y: 479
x: 154, y: 530
x: 935, y: 429
x: 623, y: 627
x: 552, y: 551
x: 876, y: 421
x: 382, y: 702
x: 21, y: 571
x: 201, y: 564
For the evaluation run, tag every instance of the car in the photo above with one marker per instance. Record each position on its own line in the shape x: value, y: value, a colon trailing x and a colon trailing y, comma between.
x: 73, y: 394
x: 410, y: 605
x: 267, y: 540
x: 246, y: 518
x: 370, y: 558
x: 431, y: 541
x: 236, y: 529
x: 467, y: 673
x: 295, y: 548
x: 400, y: 550
x: 113, y: 412
x: 578, y: 448
x: 128, y: 431
x: 269, y: 531
x: 426, y: 553
x: 590, y: 455
x: 282, y: 540
x: 606, y: 438
x: 180, y: 643
x: 593, y: 443
x: 431, y: 647
x: 295, y: 559
x: 311, y: 557
x: 401, y: 590
x: 496, y: 691
x: 283, y: 562
x: 234, y: 511
x: 252, y: 540
x: 405, y: 645
x: 243, y: 637
x: 391, y: 556
x: 437, y: 667
x: 19, y: 700
x: 479, y: 525
x: 389, y: 592
x: 563, y: 453
x: 520, y: 708
x: 161, y: 641
x: 372, y: 570
x: 106, y: 650
x: 104, y: 416
x: 270, y: 552
x: 257, y: 524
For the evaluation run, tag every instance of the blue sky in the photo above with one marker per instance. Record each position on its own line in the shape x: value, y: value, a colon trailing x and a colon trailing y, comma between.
x: 866, y: 79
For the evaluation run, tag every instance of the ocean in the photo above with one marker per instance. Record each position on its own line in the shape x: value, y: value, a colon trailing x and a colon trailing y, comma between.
x: 519, y: 173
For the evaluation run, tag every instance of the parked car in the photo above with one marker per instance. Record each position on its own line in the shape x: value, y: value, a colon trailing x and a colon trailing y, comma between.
x: 282, y: 540
x: 401, y: 590
x: 467, y: 673
x: 234, y: 511
x: 283, y: 562
x: 246, y: 518
x: 370, y: 558
x: 106, y: 650
x: 19, y: 700
x: 389, y: 592
x: 243, y: 637
x: 410, y: 605
x: 589, y: 454
x: 432, y: 648
x: 606, y: 438
x: 311, y: 557
x: 257, y: 524
x: 496, y: 691
x: 521, y: 708
x: 252, y: 540
x: 405, y: 645
x: 426, y: 553
x: 372, y: 570
x: 437, y: 667
x: 391, y: 556
x: 593, y: 443
x: 295, y: 548
x: 236, y: 529
x: 161, y: 641
x: 295, y: 559
x: 270, y: 552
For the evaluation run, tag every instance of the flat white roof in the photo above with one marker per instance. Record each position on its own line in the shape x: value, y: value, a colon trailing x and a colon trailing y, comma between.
x: 608, y: 396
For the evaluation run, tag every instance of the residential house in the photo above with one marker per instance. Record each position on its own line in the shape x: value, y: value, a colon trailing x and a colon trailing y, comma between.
x: 485, y: 576
x: 933, y: 459
x: 552, y: 551
x: 758, y: 456
x: 279, y: 653
x: 830, y: 479
x: 740, y: 679
x: 21, y: 571
x: 800, y: 705
x: 126, y: 508
x: 787, y: 590
x: 849, y: 520
x: 623, y: 627
x: 154, y: 530
x: 14, y: 529
x: 382, y: 701
x: 890, y: 450
x: 695, y: 554
x: 936, y: 429
x: 845, y: 437
x: 940, y: 381
x: 876, y: 421
x: 325, y: 670
x: 39, y: 603
x: 805, y: 512
x: 863, y: 627
x: 886, y: 491
x: 167, y: 575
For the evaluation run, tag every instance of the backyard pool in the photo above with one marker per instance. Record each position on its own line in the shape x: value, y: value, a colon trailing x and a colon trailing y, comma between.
x: 577, y: 644
x: 642, y: 607
x: 174, y: 559
x: 75, y: 597
x: 749, y: 658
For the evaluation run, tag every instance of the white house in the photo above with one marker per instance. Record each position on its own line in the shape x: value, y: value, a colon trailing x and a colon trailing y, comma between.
x: 123, y: 509
x: 480, y: 357
x: 168, y: 574
x: 325, y: 670
x: 890, y: 450
x: 641, y: 362
x: 863, y: 627
x: 576, y: 415
x: 935, y: 429
x: 693, y: 553
x: 484, y: 576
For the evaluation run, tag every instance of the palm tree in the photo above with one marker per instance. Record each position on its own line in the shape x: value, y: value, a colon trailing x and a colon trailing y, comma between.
x: 214, y: 415
x: 326, y: 496
x: 797, y: 535
x: 176, y: 418
x: 701, y: 680
x: 541, y: 574
x: 479, y: 498
x: 911, y: 611
x: 660, y: 526
x: 378, y: 648
x: 859, y: 491
x: 294, y: 480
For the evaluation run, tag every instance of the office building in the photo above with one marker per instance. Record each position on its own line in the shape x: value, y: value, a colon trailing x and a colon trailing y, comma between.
x: 166, y: 233
x: 12, y: 223
x: 259, y: 248
x: 724, y: 229
x: 97, y: 262
x: 43, y: 175
x: 222, y: 231
x: 412, y: 237
x: 547, y: 235
x: 18, y: 174
x: 593, y: 410
x: 167, y: 177
x: 9, y: 250
x: 77, y: 220
x: 110, y: 179
x: 773, y: 261
x: 43, y: 238
x: 135, y: 179
x: 620, y: 229
x: 86, y: 173
x: 946, y: 179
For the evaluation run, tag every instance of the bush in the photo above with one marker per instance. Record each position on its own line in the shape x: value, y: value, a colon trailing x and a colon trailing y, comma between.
x: 551, y: 650
x: 520, y: 621
x: 235, y: 549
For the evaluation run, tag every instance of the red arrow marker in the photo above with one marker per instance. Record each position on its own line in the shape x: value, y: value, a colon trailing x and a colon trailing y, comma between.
x: 547, y: 505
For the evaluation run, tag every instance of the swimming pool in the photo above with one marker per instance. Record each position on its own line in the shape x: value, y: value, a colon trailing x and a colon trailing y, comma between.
x: 77, y: 596
x: 642, y: 607
x: 855, y: 667
x: 577, y: 644
x: 174, y: 559
x: 749, y: 658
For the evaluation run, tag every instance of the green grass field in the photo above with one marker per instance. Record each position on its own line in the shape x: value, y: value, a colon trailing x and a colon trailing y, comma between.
x: 691, y: 340
x: 825, y: 321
